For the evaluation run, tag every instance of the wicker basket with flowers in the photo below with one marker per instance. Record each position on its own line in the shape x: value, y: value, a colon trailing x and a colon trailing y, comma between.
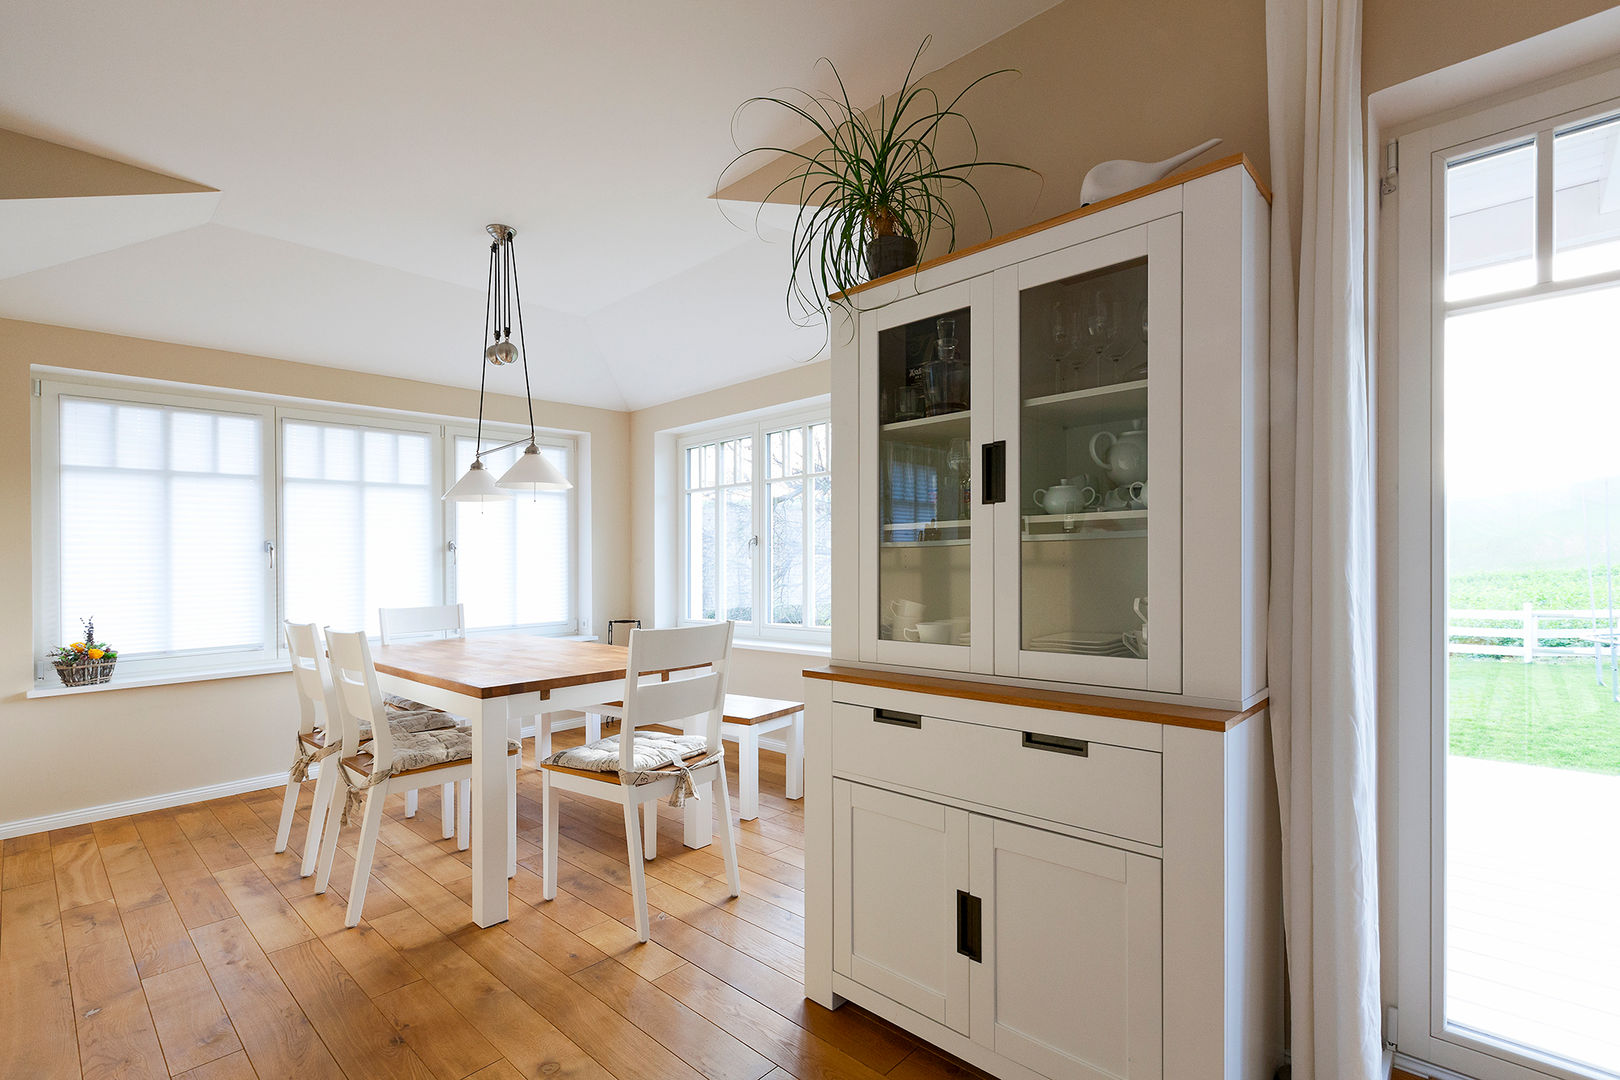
x: 87, y: 662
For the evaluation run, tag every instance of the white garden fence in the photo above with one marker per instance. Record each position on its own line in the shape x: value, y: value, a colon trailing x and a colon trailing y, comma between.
x: 1529, y: 633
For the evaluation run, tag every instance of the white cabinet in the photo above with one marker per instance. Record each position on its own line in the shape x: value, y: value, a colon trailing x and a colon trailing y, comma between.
x: 1059, y: 453
x: 1044, y: 883
x: 1041, y: 947
x: 1051, y: 456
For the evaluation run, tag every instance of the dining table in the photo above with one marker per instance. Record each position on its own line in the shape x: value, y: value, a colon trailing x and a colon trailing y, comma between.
x: 492, y: 679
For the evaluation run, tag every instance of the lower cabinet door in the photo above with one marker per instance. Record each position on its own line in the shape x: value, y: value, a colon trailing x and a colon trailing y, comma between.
x: 1071, y: 984
x: 900, y: 874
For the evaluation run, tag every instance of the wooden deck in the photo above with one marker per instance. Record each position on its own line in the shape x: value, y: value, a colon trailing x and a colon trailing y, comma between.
x: 175, y: 944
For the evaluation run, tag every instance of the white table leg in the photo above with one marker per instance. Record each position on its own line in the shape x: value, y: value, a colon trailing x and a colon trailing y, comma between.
x: 699, y: 811
x: 795, y: 757
x: 748, y: 773
x: 491, y: 773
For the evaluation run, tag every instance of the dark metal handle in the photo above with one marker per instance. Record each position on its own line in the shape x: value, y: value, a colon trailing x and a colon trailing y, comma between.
x: 898, y: 719
x: 1057, y: 744
x: 994, y: 483
x: 970, y: 926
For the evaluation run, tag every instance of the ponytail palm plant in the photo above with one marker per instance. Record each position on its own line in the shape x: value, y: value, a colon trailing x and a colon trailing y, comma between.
x: 868, y: 175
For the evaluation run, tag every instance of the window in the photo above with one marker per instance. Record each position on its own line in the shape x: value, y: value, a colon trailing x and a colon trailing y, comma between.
x: 756, y: 528
x: 161, y: 528
x: 188, y: 526
x: 514, y: 559
x: 1507, y: 627
x: 360, y: 521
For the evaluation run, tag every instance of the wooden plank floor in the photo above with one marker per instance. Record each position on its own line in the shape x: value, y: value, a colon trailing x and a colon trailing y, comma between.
x: 176, y: 944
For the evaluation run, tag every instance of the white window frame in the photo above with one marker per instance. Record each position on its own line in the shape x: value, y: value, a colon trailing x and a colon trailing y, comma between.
x: 48, y: 632
x: 1416, y: 611
x: 52, y: 384
x: 496, y: 435
x: 759, y: 628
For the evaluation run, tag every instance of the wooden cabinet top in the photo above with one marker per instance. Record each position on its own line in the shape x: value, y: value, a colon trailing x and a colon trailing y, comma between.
x: 1062, y: 219
x: 1151, y: 712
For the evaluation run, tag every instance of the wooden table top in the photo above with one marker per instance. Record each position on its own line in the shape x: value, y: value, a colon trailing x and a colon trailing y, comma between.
x: 499, y: 665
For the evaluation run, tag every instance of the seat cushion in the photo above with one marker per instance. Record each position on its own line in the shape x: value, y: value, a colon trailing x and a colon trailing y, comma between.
x: 407, y: 715
x: 421, y: 749
x: 651, y: 749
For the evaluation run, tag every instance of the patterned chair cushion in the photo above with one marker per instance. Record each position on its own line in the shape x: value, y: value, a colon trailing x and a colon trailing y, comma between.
x: 651, y: 750
x: 408, y: 715
x: 419, y: 749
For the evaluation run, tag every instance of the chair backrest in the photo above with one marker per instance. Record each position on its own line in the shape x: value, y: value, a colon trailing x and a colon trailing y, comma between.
x: 405, y: 622
x: 357, y: 696
x: 702, y: 693
x: 310, y: 677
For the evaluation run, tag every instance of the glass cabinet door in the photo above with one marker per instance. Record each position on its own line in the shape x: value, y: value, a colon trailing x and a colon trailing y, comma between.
x: 927, y: 416
x: 1089, y: 571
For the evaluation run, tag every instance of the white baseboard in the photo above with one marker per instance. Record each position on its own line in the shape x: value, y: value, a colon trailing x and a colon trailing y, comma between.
x: 106, y: 811
x: 29, y: 826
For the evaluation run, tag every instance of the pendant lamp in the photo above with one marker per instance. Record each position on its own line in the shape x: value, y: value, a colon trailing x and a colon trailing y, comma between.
x: 502, y: 300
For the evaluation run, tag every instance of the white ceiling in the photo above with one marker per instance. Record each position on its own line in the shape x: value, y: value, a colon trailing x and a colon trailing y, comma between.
x: 360, y: 147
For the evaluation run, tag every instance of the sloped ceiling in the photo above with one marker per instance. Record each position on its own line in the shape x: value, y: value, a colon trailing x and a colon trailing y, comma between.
x: 339, y: 162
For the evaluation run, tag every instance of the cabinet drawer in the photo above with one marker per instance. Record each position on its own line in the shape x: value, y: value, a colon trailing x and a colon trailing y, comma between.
x: 1092, y: 785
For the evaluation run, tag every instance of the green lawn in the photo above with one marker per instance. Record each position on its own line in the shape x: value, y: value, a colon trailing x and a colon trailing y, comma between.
x: 1551, y: 712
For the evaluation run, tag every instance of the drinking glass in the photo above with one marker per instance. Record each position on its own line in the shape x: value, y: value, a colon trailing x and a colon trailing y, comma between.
x: 1102, y: 326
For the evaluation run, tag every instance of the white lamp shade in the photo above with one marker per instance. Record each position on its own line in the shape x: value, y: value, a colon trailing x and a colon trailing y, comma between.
x: 534, y: 472
x: 476, y: 485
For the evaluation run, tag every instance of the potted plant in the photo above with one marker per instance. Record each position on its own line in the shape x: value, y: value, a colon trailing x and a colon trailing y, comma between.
x: 872, y: 188
x: 87, y: 662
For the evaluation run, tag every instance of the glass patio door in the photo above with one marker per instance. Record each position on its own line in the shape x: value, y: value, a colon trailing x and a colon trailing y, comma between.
x: 1529, y: 316
x: 926, y: 418
x: 1088, y: 539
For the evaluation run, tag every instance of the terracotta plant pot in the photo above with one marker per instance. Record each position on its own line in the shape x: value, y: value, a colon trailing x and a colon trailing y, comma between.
x: 888, y: 254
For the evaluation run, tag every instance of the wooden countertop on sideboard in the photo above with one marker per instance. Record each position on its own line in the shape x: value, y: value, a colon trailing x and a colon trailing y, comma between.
x: 1150, y: 712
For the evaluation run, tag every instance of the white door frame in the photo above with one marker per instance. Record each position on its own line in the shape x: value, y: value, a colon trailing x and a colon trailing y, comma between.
x: 1415, y: 608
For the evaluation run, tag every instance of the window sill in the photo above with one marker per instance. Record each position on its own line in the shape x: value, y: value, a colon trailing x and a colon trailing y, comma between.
x: 812, y: 648
x: 164, y: 679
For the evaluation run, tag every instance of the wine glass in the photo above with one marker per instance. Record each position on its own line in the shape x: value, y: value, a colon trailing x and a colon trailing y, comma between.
x: 1102, y: 326
x: 1062, y: 343
x: 1140, y: 369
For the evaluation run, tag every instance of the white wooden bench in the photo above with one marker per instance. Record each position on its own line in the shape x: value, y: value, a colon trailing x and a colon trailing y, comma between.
x: 746, y: 719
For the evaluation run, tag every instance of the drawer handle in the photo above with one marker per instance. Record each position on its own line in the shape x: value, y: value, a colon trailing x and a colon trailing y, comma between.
x: 970, y: 926
x: 898, y: 719
x: 1057, y: 744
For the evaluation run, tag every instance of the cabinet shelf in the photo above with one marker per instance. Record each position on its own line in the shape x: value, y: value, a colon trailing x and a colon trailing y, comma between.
x: 1098, y: 405
x: 925, y: 425
x: 1110, y: 524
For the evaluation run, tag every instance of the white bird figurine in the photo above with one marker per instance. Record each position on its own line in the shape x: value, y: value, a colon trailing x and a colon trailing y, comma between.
x: 1112, y: 178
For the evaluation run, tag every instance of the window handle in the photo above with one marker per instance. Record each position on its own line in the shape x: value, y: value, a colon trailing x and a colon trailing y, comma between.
x: 270, y: 552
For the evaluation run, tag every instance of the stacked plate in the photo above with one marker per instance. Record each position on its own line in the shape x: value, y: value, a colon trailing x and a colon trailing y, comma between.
x: 1084, y: 643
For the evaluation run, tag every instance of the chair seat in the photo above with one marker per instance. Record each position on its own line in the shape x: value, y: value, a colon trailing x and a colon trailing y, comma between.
x: 655, y: 751
x: 420, y: 750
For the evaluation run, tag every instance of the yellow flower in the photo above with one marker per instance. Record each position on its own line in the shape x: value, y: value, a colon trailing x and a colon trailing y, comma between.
x: 96, y: 654
x: 77, y: 646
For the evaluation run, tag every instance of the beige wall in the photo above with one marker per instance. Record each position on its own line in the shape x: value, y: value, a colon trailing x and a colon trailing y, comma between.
x: 71, y: 752
x: 653, y: 478
x: 1402, y: 39
x: 1095, y: 82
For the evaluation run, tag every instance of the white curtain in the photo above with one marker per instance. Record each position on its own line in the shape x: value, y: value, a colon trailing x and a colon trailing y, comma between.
x: 1321, y: 658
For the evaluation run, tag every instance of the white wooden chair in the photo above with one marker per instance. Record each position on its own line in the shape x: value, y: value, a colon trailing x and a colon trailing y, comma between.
x: 615, y: 768
x: 442, y: 620
x: 395, y: 761
x: 316, y: 712
x: 746, y: 718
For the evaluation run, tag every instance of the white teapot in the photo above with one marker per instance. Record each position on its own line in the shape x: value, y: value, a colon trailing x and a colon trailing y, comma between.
x: 1123, y: 456
x: 1064, y: 497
